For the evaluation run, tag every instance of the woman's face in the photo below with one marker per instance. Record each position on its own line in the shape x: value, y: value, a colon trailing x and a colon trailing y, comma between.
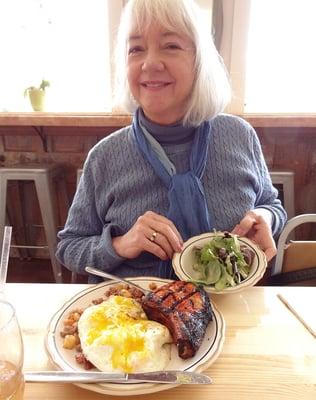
x: 160, y: 71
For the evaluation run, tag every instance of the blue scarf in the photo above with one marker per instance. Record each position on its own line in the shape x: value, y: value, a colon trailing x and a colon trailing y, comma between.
x: 187, y: 204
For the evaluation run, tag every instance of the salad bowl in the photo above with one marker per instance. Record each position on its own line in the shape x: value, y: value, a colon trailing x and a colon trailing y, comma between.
x: 193, y: 263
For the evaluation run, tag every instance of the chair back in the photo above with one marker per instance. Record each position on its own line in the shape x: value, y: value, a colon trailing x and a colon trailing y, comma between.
x: 295, y: 260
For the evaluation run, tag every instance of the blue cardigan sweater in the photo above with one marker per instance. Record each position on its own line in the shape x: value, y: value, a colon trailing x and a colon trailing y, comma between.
x: 118, y: 185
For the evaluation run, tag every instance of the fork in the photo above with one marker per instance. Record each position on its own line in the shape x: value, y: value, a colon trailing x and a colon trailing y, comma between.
x: 98, y: 272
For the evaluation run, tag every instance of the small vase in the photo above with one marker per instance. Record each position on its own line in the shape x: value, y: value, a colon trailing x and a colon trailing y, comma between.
x: 37, y: 98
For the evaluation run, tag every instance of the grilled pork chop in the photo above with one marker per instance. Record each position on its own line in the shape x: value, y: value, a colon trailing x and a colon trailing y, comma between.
x: 184, y: 309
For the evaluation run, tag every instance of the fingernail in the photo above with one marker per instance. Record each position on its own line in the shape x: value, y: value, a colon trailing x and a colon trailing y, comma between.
x: 238, y: 231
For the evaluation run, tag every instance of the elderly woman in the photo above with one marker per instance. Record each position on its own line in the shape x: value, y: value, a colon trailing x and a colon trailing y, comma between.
x: 182, y: 168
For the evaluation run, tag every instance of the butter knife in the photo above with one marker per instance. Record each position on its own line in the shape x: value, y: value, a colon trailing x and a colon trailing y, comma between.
x: 177, y: 377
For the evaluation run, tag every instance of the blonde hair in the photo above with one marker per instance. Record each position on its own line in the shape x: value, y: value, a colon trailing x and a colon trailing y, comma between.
x: 211, y: 89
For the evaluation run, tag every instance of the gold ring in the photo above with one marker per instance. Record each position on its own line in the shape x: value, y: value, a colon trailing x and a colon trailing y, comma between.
x: 153, y: 236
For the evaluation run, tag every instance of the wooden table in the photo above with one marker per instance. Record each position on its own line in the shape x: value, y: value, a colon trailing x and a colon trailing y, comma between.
x: 268, y: 354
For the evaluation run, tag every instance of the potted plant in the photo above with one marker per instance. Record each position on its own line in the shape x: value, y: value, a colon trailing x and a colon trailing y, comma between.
x: 37, y: 95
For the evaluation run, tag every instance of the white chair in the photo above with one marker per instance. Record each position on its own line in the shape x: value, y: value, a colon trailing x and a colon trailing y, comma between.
x: 295, y: 260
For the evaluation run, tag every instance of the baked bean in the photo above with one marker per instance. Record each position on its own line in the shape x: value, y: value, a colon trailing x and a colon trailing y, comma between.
x: 152, y: 286
x: 97, y: 301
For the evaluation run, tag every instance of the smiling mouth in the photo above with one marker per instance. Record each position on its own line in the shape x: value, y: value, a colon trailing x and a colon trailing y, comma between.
x: 155, y: 85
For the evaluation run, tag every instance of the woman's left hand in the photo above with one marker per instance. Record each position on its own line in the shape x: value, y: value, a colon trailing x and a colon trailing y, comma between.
x: 256, y: 225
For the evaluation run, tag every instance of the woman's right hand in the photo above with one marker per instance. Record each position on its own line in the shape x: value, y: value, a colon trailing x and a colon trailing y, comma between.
x: 153, y: 233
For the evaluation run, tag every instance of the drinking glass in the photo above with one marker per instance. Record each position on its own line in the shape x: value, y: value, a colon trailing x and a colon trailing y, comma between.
x: 11, y: 354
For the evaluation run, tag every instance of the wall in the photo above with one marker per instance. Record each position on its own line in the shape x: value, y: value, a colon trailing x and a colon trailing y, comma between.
x: 295, y: 149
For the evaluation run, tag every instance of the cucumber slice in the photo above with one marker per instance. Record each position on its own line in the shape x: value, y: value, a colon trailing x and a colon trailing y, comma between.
x: 222, y: 282
x: 214, y: 272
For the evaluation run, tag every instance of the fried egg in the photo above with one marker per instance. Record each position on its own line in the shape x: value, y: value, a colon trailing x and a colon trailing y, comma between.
x: 116, y: 336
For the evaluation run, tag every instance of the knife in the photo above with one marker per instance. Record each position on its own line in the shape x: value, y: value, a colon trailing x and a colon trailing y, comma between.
x: 177, y: 377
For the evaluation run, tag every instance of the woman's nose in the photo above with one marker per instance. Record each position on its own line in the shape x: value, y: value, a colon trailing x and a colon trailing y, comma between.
x: 152, y: 61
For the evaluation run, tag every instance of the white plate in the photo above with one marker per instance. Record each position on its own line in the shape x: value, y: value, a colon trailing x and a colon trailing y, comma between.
x: 183, y: 263
x: 65, y: 359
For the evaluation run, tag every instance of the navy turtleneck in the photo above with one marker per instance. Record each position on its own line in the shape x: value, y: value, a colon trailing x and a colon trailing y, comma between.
x: 168, y: 134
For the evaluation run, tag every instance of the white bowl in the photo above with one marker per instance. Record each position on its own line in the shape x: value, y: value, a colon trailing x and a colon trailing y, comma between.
x: 183, y: 263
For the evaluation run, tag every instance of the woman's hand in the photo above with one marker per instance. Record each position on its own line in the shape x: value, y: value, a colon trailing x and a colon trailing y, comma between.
x: 256, y: 225
x: 151, y: 232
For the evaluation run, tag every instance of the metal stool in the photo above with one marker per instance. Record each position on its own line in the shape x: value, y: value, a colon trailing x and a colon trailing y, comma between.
x: 20, y: 252
x: 74, y: 275
x: 284, y: 182
x: 42, y: 176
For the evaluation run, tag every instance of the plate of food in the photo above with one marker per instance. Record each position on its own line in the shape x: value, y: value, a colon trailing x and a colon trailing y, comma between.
x: 221, y: 262
x: 116, y: 328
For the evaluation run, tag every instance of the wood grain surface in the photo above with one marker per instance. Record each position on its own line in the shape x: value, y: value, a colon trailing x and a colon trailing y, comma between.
x: 268, y: 354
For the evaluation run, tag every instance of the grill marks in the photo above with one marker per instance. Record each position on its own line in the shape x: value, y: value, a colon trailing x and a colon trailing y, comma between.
x: 172, y: 294
x: 186, y: 311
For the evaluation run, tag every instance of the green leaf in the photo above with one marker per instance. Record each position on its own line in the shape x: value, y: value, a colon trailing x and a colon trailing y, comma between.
x: 44, y: 84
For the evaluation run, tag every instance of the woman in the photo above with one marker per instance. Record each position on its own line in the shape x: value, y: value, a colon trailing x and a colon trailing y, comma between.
x: 182, y: 168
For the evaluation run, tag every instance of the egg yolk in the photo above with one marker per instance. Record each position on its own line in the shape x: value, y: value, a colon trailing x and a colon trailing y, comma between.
x: 121, y: 324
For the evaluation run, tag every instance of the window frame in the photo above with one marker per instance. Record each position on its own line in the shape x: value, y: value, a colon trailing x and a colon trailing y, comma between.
x: 115, y: 8
x: 233, y: 48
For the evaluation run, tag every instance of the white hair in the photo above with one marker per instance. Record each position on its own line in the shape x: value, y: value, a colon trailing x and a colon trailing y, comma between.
x: 211, y: 89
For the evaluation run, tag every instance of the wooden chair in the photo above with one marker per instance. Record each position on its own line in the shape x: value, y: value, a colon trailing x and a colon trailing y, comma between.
x: 295, y: 260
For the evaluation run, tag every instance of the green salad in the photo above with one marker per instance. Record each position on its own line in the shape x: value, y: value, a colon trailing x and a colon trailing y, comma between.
x: 223, y: 261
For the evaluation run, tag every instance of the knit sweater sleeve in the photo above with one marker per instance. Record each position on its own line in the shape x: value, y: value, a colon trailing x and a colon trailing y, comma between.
x: 85, y: 239
x: 267, y: 193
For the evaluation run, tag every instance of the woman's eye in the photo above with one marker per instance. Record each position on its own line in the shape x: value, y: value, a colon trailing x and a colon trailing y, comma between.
x: 172, y: 46
x: 135, y: 50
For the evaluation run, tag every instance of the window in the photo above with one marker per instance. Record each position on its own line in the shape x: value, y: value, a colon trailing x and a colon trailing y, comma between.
x: 268, y: 48
x: 68, y: 43
x: 281, y: 57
